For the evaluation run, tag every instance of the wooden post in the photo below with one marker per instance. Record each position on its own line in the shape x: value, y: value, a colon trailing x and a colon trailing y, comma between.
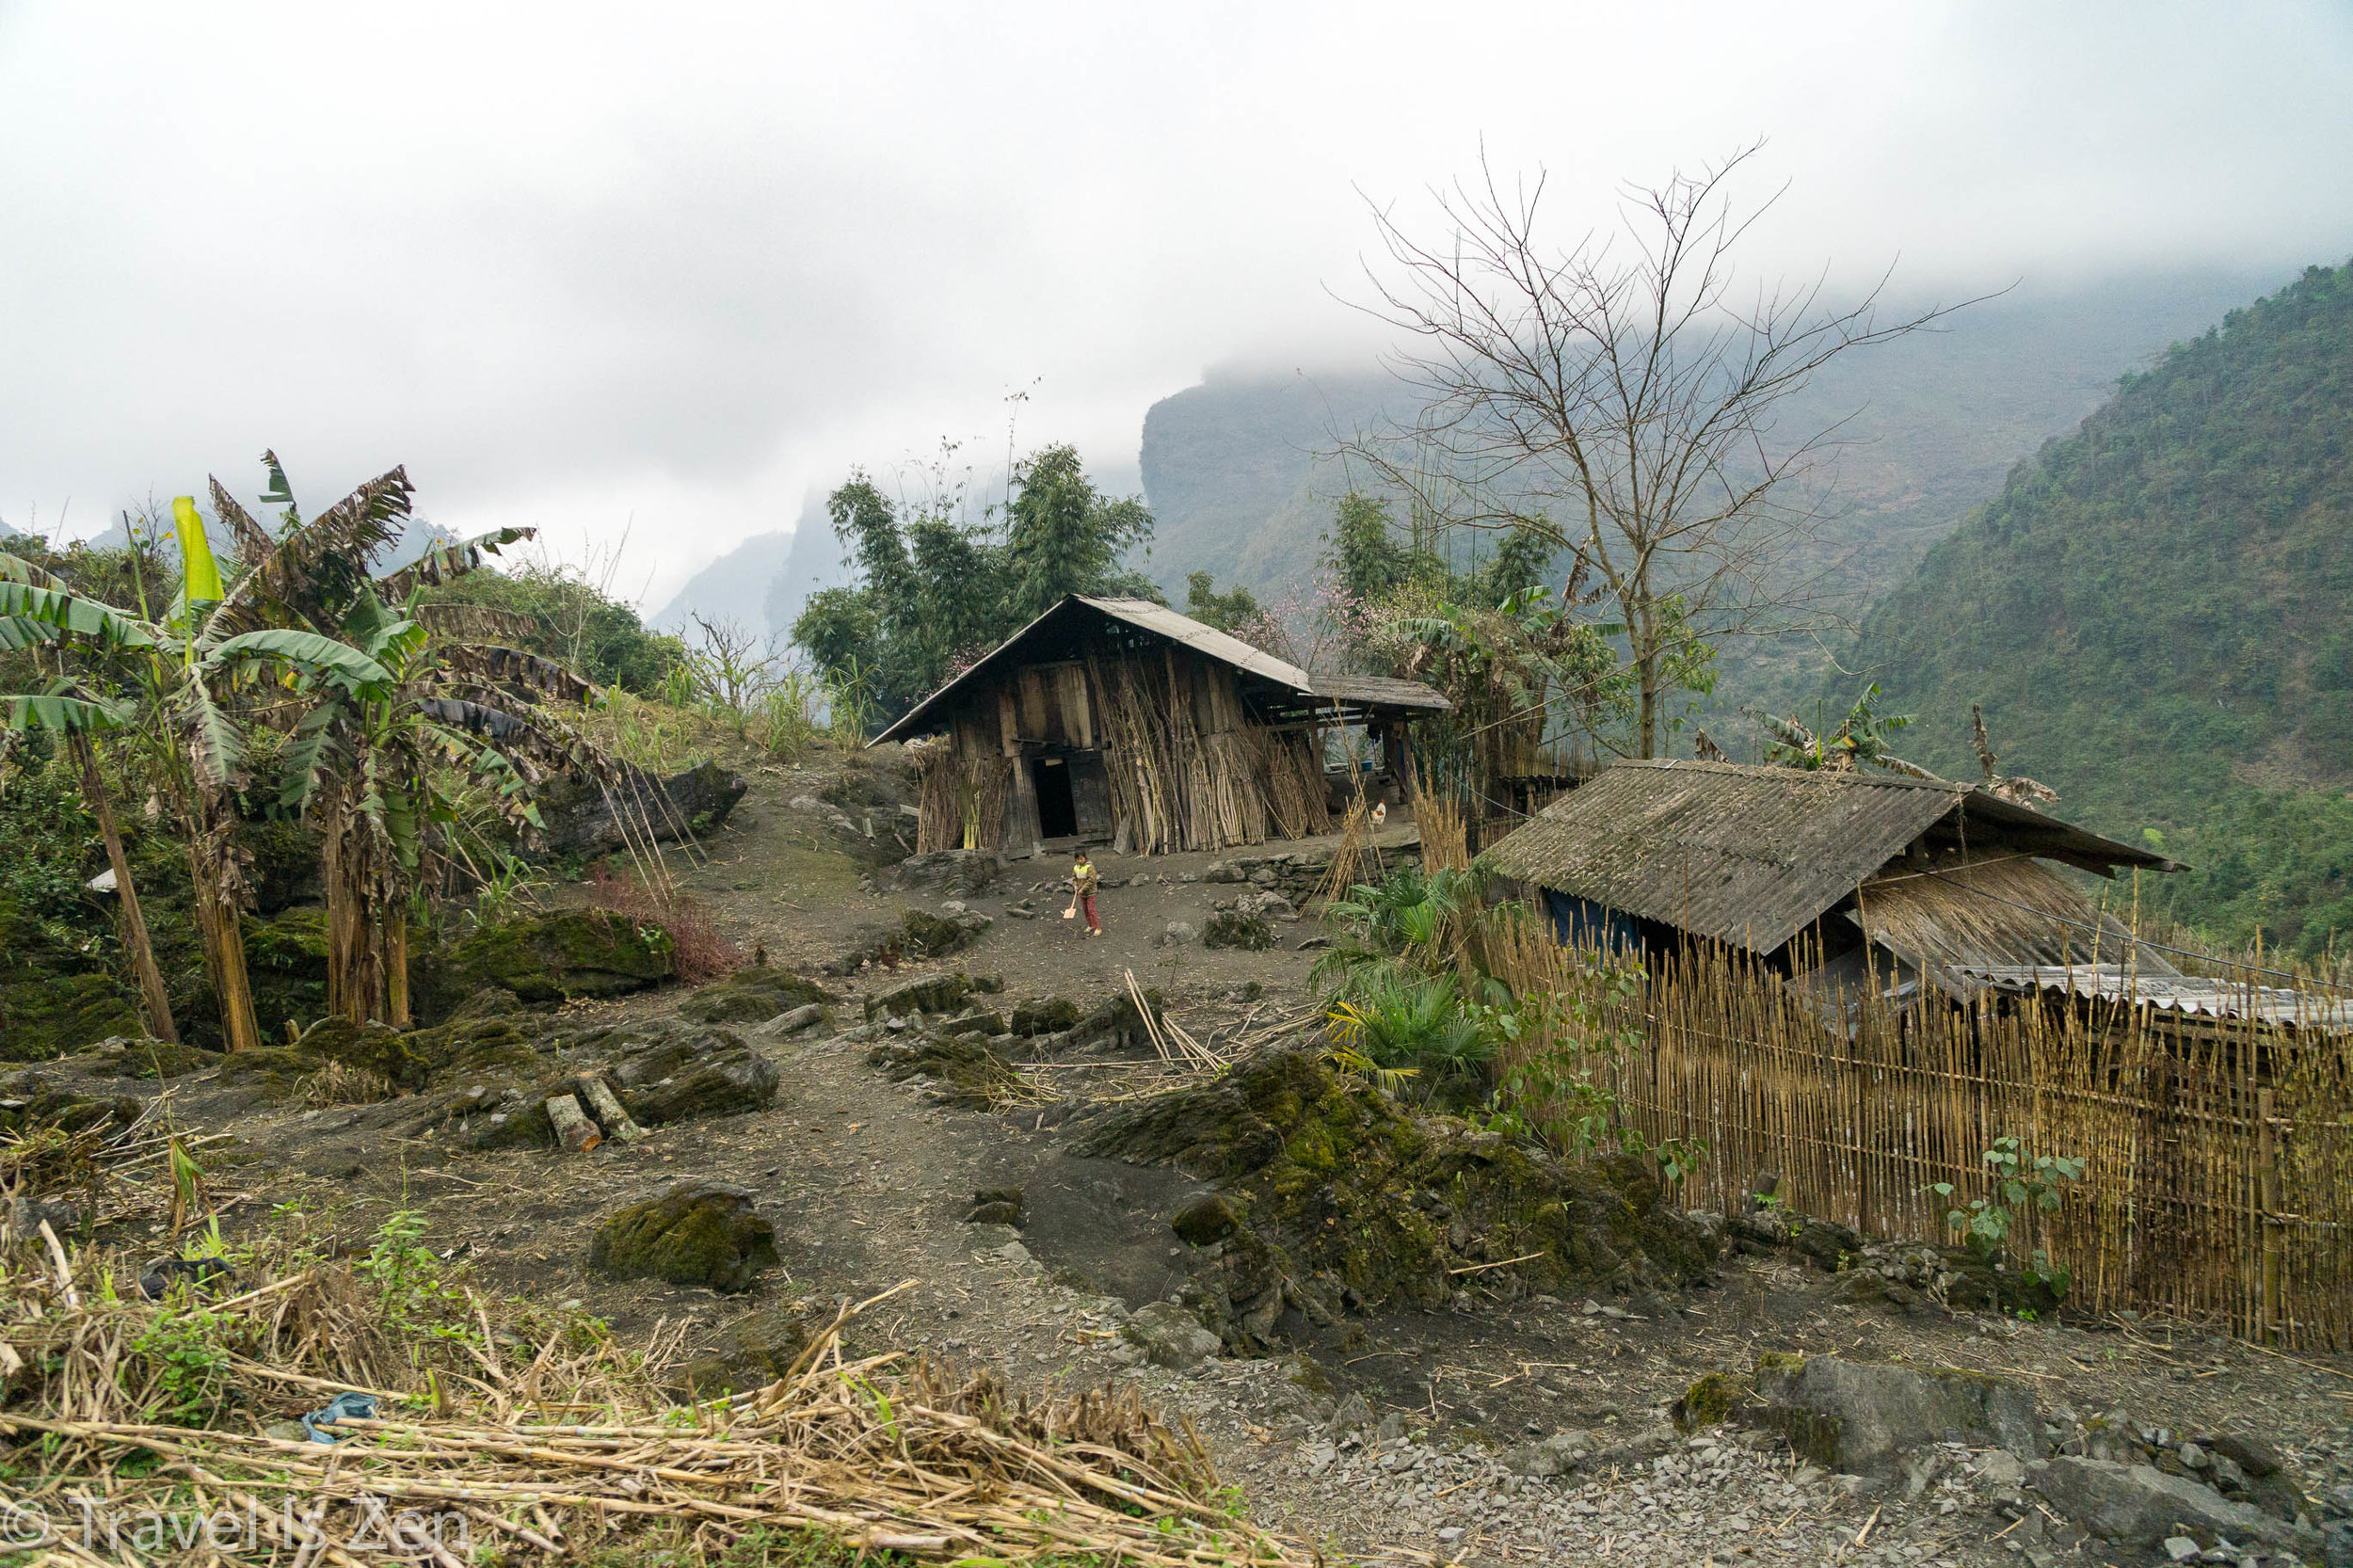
x: 135, y: 937
x: 2268, y: 1191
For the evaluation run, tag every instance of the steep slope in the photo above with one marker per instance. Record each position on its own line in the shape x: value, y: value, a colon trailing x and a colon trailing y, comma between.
x: 1933, y: 423
x: 2155, y: 615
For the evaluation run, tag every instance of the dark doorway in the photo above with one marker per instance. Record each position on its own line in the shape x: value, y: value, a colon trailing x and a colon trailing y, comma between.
x: 1057, y: 813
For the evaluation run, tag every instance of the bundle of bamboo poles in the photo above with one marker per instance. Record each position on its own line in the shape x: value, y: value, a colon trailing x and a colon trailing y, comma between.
x: 1293, y: 781
x: 2217, y: 1152
x: 1445, y: 835
x: 1178, y: 787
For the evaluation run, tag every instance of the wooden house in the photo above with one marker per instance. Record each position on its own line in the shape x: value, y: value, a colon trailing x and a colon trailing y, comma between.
x: 1838, y: 880
x: 1119, y: 720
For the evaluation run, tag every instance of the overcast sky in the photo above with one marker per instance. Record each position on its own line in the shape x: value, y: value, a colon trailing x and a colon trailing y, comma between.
x: 575, y: 264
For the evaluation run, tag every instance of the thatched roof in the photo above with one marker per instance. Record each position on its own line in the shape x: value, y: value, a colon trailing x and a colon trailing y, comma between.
x: 1992, y: 911
x: 1051, y: 635
x: 1751, y: 856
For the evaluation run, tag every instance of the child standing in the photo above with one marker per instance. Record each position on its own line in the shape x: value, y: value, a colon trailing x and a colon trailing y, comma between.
x: 1083, y: 879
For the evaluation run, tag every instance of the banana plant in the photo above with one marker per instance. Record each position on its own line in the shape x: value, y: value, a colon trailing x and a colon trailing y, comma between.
x: 378, y: 766
x: 173, y: 679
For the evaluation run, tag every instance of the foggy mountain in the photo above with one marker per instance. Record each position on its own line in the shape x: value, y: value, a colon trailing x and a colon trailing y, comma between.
x: 1933, y: 422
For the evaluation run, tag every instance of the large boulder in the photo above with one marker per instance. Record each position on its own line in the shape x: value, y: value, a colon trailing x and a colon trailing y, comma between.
x: 580, y: 816
x: 2139, y: 1506
x: 752, y: 995
x: 689, y: 1074
x: 1231, y: 928
x: 1861, y: 1419
x: 1169, y: 1335
x: 702, y: 1233
x: 568, y: 955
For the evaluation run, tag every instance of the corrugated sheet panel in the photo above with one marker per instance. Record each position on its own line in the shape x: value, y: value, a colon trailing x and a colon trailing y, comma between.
x: 1205, y: 639
x: 1744, y: 856
x: 1378, y: 691
x: 2215, y: 998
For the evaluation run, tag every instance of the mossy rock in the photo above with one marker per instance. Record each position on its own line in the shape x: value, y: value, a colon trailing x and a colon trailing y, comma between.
x: 927, y: 936
x: 752, y: 995
x: 705, y: 1233
x: 1343, y: 1184
x: 370, y: 1046
x: 153, y: 1058
x: 939, y: 993
x: 1045, y: 1015
x: 1231, y: 928
x: 570, y: 955
x: 694, y: 1074
x: 967, y: 1073
x: 44, y: 1018
x: 1708, y: 1401
x: 28, y: 1100
x: 1205, y: 1220
x: 285, y: 959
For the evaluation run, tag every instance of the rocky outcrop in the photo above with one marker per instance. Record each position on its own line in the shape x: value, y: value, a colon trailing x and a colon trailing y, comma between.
x: 1343, y: 1199
x: 1861, y: 1419
x: 568, y: 955
x: 702, y: 1233
x: 753, y: 995
x: 580, y: 815
x: 2140, y: 1507
x: 961, y: 1069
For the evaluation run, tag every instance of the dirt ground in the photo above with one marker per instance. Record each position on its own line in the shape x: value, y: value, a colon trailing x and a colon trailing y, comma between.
x: 868, y: 1185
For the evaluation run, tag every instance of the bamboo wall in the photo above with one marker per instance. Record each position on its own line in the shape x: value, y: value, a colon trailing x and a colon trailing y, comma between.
x: 1189, y: 768
x: 2219, y: 1181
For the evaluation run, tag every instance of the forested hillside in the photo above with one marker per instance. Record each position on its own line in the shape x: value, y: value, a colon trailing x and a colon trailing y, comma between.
x: 1933, y: 421
x: 2158, y: 614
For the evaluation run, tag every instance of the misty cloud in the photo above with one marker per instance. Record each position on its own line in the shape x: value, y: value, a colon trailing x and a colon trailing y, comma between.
x: 576, y: 266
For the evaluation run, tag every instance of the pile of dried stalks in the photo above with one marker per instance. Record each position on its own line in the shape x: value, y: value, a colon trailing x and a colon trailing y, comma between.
x: 570, y: 1449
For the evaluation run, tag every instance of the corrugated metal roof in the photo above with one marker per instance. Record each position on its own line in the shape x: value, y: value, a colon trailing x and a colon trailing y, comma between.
x: 1378, y: 691
x: 1747, y: 855
x: 2215, y: 998
x: 1220, y: 646
x: 1165, y: 622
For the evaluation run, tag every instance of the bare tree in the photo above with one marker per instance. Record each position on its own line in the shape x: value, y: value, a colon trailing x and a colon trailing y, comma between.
x: 1615, y: 398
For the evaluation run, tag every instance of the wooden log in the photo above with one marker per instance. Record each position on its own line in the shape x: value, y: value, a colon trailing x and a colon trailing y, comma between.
x: 605, y: 1106
x: 573, y: 1129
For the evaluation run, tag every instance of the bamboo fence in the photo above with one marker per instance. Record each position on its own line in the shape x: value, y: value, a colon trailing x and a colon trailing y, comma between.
x: 2219, y: 1153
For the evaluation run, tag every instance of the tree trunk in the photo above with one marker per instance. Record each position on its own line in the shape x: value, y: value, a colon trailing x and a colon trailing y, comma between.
x: 224, y: 959
x: 135, y: 937
x: 354, y: 968
x: 397, y: 966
